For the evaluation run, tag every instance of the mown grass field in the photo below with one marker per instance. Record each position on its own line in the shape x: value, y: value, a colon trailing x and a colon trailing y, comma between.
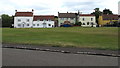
x: 98, y: 38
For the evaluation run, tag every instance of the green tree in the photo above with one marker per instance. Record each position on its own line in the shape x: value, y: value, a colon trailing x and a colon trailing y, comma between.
x: 107, y: 11
x: 6, y: 20
x: 97, y: 13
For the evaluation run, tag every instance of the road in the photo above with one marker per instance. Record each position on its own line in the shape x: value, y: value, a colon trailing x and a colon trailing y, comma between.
x: 19, y: 57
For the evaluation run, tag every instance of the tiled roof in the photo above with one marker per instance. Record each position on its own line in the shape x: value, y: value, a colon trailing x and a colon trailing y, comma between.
x: 24, y: 14
x: 86, y: 15
x: 110, y: 17
x: 66, y: 15
x: 43, y: 17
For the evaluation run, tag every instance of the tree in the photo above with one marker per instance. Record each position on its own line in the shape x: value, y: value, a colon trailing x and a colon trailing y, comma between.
x: 107, y: 11
x: 97, y: 13
x: 6, y: 20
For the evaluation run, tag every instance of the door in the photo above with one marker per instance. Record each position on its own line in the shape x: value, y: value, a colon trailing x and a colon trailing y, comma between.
x: 44, y: 25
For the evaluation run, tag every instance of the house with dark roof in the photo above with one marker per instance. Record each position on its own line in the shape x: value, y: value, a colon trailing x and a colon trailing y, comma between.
x: 43, y: 21
x: 87, y: 20
x: 23, y: 19
x: 107, y: 19
x: 67, y: 18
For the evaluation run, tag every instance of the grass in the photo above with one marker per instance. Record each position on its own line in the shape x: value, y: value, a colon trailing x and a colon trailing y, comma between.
x: 98, y: 38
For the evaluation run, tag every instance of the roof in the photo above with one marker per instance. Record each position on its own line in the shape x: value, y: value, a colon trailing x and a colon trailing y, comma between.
x: 24, y: 14
x: 43, y: 17
x: 66, y: 15
x: 110, y: 17
x: 86, y: 15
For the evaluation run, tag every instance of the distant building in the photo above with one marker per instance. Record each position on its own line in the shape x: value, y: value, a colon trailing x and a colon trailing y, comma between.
x: 43, y: 21
x: 87, y: 20
x: 28, y: 20
x: 67, y: 18
x: 119, y: 8
x: 106, y: 19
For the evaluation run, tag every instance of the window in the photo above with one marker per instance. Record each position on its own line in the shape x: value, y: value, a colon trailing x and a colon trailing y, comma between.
x: 19, y: 20
x: 19, y: 24
x: 92, y: 23
x: 83, y: 23
x: 33, y: 24
x: 27, y: 24
x: 62, y: 18
x: 37, y: 24
x: 83, y: 19
x: 49, y: 24
x: 72, y: 18
x: 87, y: 23
x: 91, y: 19
x: 28, y: 20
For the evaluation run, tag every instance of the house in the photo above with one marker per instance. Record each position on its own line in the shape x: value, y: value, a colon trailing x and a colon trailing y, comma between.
x: 87, y: 20
x: 119, y: 8
x: 43, y: 21
x: 0, y: 19
x: 107, y: 19
x: 67, y: 18
x: 28, y: 20
x: 23, y: 19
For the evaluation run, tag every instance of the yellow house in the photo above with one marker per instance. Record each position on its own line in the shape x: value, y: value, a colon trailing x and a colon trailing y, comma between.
x: 106, y: 19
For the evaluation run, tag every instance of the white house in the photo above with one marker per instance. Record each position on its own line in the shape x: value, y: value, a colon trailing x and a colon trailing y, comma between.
x: 87, y: 20
x: 28, y: 20
x: 43, y: 21
x: 119, y: 8
x: 23, y: 19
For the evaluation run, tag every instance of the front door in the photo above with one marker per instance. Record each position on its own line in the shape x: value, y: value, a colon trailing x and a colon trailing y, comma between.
x: 44, y: 25
x: 23, y: 24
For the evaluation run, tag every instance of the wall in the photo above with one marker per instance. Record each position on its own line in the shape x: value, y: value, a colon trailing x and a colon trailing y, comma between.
x: 86, y: 20
x: 41, y: 25
x: 23, y: 20
x: 66, y: 19
x: 119, y: 8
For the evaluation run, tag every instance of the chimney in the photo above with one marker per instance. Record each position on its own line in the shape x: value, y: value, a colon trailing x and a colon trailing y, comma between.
x: 32, y: 10
x: 15, y: 10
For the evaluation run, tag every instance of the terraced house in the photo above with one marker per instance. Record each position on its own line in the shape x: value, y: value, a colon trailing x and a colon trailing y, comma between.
x: 67, y: 19
x: 28, y: 20
x: 43, y: 21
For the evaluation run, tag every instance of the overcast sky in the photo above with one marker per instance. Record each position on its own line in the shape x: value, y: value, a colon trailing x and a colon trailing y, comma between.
x: 51, y: 7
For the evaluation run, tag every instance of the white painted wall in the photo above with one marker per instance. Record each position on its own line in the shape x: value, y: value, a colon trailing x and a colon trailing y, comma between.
x: 86, y: 20
x: 119, y: 8
x: 23, y: 23
x: 39, y: 24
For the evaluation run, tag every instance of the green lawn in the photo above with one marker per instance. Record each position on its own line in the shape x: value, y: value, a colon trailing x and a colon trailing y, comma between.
x: 100, y: 38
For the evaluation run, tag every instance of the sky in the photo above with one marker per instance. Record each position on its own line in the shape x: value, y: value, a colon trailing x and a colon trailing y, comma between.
x: 52, y: 7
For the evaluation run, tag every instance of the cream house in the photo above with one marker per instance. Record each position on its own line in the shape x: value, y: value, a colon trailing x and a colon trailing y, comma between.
x: 87, y: 20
